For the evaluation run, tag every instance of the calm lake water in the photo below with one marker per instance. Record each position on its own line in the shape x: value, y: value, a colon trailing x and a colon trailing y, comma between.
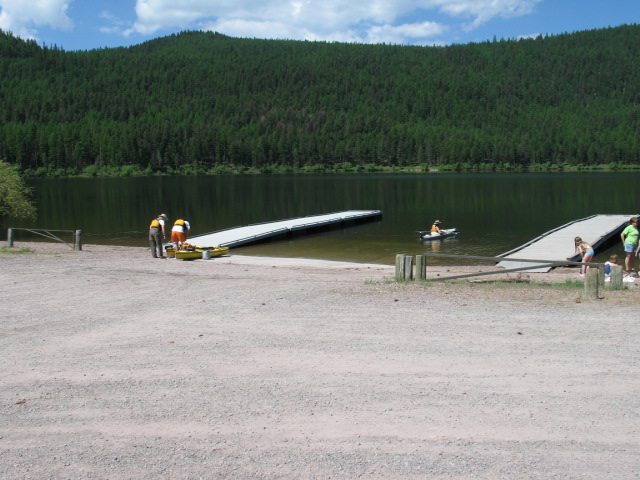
x: 494, y: 212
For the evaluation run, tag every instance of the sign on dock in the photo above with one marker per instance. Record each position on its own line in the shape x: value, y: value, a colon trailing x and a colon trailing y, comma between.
x: 558, y: 244
x: 234, y: 237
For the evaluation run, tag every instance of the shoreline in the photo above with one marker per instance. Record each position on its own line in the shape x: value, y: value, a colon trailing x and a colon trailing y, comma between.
x: 558, y: 275
x: 376, y: 170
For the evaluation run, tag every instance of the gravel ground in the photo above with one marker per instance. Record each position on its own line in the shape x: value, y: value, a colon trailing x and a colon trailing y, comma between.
x: 119, y: 366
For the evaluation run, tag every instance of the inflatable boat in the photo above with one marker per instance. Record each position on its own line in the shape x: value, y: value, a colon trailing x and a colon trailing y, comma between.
x: 428, y: 235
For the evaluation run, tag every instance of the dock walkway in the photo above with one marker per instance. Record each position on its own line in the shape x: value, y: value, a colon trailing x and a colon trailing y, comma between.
x: 234, y: 237
x: 557, y: 244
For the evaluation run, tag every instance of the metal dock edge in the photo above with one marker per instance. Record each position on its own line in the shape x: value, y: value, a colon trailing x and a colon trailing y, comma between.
x: 234, y: 237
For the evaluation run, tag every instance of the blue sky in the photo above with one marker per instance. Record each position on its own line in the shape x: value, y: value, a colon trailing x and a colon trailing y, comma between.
x: 90, y: 24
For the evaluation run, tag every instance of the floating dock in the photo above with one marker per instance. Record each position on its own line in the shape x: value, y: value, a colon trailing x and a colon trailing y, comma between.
x: 259, y: 232
x: 558, y: 244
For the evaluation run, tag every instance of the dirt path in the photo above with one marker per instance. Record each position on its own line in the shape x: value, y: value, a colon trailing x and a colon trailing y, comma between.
x: 118, y: 366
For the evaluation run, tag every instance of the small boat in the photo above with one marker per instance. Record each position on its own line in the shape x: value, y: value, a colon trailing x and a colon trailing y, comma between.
x: 192, y: 252
x: 447, y: 232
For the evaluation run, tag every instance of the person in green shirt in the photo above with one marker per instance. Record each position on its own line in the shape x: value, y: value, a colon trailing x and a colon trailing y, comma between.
x: 630, y: 240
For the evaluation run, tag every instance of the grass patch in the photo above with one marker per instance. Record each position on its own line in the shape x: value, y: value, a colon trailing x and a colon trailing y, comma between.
x: 17, y: 251
x: 565, y: 284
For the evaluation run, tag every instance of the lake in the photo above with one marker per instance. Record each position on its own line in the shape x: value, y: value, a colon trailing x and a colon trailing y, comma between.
x: 494, y: 212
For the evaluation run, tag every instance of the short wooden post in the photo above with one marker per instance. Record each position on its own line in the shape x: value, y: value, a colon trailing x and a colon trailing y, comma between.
x: 9, y: 238
x: 77, y: 245
x: 601, y: 277
x: 400, y: 267
x: 408, y: 268
x: 616, y: 277
x: 421, y: 268
x: 591, y: 284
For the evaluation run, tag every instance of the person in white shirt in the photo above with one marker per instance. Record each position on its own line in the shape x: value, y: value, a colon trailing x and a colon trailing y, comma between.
x: 156, y: 231
x: 180, y: 232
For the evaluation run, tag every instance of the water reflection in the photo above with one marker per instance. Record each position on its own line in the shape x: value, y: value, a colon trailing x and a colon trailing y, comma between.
x: 495, y: 212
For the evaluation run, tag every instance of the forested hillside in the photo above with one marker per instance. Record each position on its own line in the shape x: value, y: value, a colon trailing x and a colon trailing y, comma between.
x: 204, y: 102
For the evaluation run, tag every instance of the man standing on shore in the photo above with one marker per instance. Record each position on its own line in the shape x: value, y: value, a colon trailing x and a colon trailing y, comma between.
x: 155, y: 230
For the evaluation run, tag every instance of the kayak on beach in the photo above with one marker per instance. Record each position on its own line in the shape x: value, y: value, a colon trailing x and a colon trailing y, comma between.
x: 428, y: 235
x: 191, y: 252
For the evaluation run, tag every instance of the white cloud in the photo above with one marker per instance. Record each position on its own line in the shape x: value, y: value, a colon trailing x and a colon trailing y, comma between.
x: 117, y: 26
x: 258, y: 29
x: 368, y: 22
x: 413, y: 33
x: 372, y: 21
x: 481, y: 11
x: 529, y: 36
x: 406, y: 33
x: 24, y: 17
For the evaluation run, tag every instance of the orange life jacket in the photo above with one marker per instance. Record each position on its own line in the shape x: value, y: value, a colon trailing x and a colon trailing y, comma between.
x: 179, y: 222
x: 155, y: 223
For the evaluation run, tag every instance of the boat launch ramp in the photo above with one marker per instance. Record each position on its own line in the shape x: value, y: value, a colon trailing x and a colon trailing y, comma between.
x: 259, y: 232
x: 558, y: 244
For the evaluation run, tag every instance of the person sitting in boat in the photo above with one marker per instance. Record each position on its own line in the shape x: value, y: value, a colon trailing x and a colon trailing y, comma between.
x: 435, y: 228
x: 179, y: 232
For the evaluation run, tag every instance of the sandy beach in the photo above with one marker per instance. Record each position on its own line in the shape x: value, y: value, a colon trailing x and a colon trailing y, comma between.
x: 120, y: 366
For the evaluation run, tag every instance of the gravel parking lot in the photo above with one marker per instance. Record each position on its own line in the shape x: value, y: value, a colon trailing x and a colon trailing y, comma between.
x: 119, y: 366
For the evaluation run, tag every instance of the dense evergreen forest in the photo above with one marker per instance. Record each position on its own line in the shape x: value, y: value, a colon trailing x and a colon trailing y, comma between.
x: 200, y: 102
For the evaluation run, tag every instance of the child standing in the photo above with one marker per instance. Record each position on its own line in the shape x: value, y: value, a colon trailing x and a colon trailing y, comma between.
x: 586, y: 252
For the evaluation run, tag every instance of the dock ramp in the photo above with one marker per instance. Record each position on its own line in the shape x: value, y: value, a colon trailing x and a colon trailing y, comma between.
x: 234, y: 237
x: 558, y: 244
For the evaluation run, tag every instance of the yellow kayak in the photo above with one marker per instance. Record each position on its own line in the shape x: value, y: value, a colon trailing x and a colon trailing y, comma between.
x: 192, y: 252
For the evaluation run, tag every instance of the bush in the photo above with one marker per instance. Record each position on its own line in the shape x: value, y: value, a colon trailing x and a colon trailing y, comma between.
x: 130, y: 171
x: 91, y: 170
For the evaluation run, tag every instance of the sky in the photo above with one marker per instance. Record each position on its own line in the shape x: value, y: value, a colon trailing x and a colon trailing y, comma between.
x: 91, y: 24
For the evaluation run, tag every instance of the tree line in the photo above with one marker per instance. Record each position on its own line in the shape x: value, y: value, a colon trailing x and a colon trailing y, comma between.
x: 198, y: 102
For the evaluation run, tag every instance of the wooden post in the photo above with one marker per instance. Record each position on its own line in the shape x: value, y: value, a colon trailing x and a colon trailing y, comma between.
x: 591, y: 284
x: 408, y: 268
x: 616, y: 277
x: 400, y: 267
x: 601, y: 277
x: 77, y: 245
x: 421, y: 268
x: 9, y: 238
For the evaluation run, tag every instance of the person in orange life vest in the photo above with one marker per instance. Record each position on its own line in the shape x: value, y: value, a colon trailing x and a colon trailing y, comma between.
x: 435, y: 228
x: 156, y: 230
x: 179, y: 232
